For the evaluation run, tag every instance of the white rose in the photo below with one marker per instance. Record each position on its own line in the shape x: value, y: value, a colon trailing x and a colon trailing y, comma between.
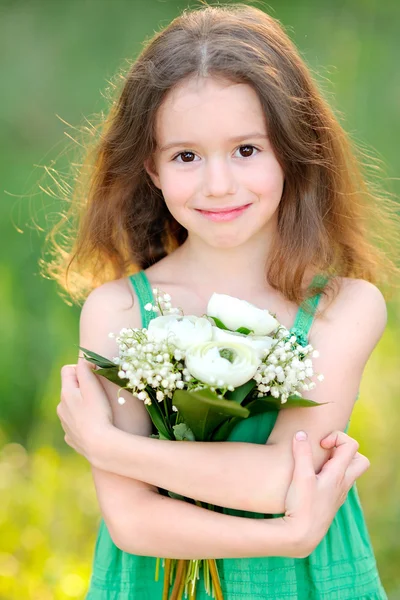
x: 235, y: 313
x: 222, y: 363
x: 258, y: 342
x: 182, y: 332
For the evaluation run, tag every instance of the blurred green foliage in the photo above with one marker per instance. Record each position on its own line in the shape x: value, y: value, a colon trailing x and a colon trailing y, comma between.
x: 56, y: 59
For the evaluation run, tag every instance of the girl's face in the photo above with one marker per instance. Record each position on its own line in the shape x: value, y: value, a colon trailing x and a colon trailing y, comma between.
x: 214, y: 163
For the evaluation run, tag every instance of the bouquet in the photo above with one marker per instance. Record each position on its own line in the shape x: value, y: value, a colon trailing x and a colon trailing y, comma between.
x: 198, y: 377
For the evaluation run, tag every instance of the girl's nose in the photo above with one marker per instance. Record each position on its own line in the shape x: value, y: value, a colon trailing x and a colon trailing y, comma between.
x: 219, y: 179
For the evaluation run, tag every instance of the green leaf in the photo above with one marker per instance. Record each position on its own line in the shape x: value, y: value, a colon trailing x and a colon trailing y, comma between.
x: 203, y: 411
x: 158, y: 418
x: 183, y: 432
x: 179, y: 497
x: 111, y: 374
x: 244, y: 330
x: 240, y: 393
x: 176, y: 496
x: 269, y: 403
x: 294, y: 401
x: 221, y: 433
x: 262, y: 405
x: 220, y: 324
x: 97, y: 359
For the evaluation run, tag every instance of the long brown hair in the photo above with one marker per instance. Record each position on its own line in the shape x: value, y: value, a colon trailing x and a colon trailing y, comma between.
x: 117, y: 219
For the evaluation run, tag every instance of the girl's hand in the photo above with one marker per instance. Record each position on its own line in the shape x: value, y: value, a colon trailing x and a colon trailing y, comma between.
x: 313, y: 500
x: 84, y: 416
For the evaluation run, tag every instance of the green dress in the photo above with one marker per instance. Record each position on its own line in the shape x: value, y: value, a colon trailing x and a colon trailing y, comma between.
x: 342, y: 567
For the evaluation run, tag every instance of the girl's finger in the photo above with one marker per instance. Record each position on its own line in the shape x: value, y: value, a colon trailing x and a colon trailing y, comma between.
x: 303, y: 460
x: 69, y: 377
x: 357, y: 467
x: 336, y: 439
x: 341, y: 444
x: 84, y: 365
x: 88, y: 381
x: 345, y: 450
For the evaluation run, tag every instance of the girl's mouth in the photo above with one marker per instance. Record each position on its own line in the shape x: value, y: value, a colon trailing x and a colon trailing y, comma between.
x: 224, y: 215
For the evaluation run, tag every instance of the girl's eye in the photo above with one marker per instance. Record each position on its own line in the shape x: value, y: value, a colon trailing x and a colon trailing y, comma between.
x: 247, y: 148
x: 187, y: 156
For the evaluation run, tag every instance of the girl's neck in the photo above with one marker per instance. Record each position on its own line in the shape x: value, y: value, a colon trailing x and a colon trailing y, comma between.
x: 223, y: 270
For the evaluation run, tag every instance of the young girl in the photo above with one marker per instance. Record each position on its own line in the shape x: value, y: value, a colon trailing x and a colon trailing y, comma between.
x: 222, y: 169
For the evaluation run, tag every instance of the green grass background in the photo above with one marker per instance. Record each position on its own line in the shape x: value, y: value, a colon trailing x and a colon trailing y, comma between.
x: 56, y: 59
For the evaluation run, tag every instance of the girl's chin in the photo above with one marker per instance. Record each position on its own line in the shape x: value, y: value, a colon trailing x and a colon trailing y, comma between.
x: 223, y: 241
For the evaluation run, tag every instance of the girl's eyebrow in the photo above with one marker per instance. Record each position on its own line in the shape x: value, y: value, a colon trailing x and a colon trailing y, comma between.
x: 234, y: 139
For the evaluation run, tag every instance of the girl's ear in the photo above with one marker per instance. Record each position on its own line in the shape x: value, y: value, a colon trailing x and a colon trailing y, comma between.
x: 151, y: 170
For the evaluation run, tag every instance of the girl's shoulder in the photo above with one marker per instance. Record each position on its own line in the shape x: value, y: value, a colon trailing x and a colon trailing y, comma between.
x: 348, y: 294
x: 111, y: 305
x: 111, y: 295
x: 357, y: 310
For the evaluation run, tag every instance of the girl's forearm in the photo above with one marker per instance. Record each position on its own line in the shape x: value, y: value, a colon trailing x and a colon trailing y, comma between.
x: 149, y: 524
x: 237, y: 475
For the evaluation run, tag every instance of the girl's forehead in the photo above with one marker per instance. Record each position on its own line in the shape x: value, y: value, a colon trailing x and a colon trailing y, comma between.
x: 206, y: 89
x: 209, y: 102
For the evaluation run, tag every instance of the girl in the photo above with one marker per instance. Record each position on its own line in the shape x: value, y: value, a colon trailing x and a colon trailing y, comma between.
x: 222, y: 169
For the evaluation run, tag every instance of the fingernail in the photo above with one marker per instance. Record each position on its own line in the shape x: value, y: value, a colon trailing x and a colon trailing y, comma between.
x: 301, y: 436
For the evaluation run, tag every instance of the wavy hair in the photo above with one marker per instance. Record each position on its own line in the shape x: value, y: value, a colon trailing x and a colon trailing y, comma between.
x: 117, y: 221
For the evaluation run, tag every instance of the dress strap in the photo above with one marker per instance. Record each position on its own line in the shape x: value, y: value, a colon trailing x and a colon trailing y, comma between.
x: 144, y: 293
x: 306, y: 313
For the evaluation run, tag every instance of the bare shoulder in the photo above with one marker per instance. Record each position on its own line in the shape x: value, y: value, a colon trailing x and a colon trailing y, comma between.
x: 110, y: 296
x: 107, y: 309
x: 358, y: 296
x: 357, y: 315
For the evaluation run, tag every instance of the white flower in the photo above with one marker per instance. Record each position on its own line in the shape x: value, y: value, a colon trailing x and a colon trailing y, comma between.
x: 182, y: 332
x: 227, y: 363
x: 235, y: 313
x: 258, y: 342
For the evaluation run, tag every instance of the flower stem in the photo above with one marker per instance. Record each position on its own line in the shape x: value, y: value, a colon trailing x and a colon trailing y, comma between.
x: 215, y: 579
x: 192, y: 590
x: 167, y: 570
x: 157, y: 573
x: 182, y: 586
x: 192, y: 575
x: 179, y: 580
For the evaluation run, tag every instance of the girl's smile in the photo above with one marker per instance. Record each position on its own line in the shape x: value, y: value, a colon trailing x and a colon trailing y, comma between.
x: 223, y: 214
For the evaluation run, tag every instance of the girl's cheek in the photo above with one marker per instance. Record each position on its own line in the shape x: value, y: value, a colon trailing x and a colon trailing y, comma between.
x: 268, y: 180
x: 178, y: 188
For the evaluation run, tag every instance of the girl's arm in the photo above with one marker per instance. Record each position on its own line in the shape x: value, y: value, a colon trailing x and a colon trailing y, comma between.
x: 141, y: 521
x: 237, y: 475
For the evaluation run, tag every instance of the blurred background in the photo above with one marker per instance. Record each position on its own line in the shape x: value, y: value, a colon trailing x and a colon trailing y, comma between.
x: 57, y: 59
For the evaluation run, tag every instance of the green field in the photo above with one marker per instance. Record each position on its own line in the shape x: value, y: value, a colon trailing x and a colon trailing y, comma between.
x: 56, y: 60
